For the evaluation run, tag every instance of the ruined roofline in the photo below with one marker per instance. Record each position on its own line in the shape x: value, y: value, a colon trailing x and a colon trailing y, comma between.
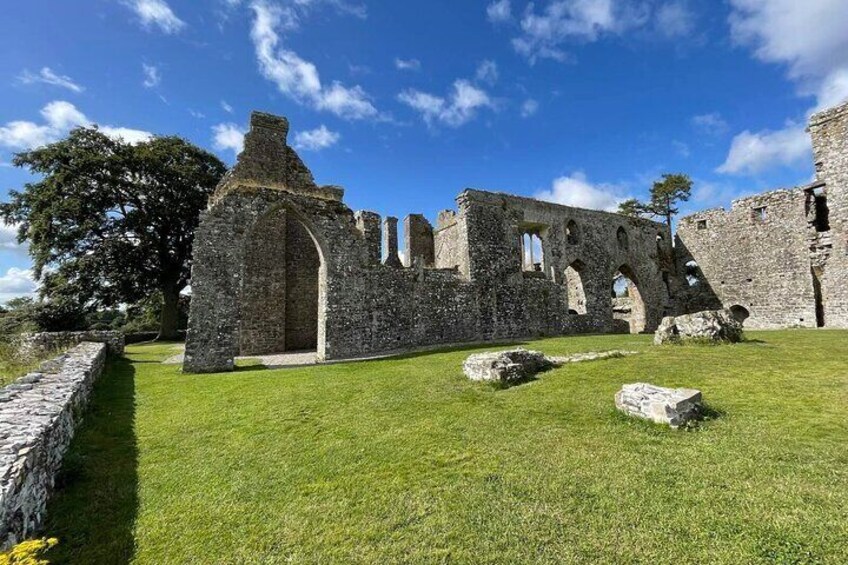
x: 828, y: 114
x: 747, y: 201
x: 268, y: 162
x: 488, y: 194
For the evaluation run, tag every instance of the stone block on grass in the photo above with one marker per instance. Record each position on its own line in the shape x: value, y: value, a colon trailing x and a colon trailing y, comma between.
x: 505, y: 367
x: 674, y: 407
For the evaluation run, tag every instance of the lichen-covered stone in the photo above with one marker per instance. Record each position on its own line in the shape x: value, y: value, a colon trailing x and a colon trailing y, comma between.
x: 671, y: 406
x: 505, y: 367
x: 711, y: 325
x: 38, y: 416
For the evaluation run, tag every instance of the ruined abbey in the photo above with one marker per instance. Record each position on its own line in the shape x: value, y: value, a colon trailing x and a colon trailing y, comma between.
x: 282, y: 264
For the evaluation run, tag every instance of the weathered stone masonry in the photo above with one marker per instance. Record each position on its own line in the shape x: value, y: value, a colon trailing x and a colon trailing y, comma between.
x: 38, y: 416
x: 779, y: 259
x: 282, y: 264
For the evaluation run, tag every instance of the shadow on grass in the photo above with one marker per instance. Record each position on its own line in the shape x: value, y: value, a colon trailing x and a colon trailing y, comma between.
x: 94, y: 508
x: 706, y: 415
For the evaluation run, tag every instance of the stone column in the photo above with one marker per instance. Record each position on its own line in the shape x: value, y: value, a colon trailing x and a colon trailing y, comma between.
x: 390, y: 242
x: 418, y: 240
x: 368, y: 224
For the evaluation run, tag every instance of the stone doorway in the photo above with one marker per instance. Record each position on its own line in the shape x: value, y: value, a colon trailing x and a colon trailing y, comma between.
x: 280, y: 293
x: 628, y: 307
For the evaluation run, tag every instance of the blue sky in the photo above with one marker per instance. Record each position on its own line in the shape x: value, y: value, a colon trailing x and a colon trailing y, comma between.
x: 405, y: 104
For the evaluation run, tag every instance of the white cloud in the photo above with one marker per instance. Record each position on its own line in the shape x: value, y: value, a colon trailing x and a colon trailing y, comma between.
x: 25, y: 135
x: 156, y: 13
x: 152, y: 77
x: 60, y: 117
x: 226, y: 107
x: 9, y: 239
x: 407, y: 64
x: 833, y: 90
x: 459, y: 108
x: 228, y: 136
x: 296, y: 77
x: 675, y: 19
x: 810, y: 36
x: 16, y: 283
x: 487, y: 71
x: 811, y: 39
x: 710, y: 124
x: 577, y: 191
x: 47, y: 76
x: 499, y: 12
x: 128, y: 135
x: 546, y: 33
x: 529, y: 108
x: 316, y: 139
x: 751, y: 153
x: 565, y: 21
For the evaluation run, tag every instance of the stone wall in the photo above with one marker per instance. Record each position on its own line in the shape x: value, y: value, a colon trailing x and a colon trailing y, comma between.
x: 779, y: 258
x: 38, y: 416
x: 263, y: 315
x: 301, y: 265
x: 467, y: 284
x: 829, y: 131
x: 36, y: 344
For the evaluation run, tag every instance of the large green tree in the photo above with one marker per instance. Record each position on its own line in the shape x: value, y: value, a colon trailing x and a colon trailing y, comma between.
x: 111, y: 222
x: 666, y: 194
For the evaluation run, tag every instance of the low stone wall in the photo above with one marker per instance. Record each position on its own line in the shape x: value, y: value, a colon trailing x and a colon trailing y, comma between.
x: 35, y: 343
x: 38, y: 416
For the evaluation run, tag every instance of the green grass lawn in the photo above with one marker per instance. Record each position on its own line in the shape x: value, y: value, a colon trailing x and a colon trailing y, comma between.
x: 405, y: 461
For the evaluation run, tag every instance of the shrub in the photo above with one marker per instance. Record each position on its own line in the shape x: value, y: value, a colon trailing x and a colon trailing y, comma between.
x: 28, y: 552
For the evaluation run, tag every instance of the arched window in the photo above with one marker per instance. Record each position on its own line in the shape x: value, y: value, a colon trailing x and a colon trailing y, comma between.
x: 572, y: 233
x: 623, y: 239
x: 574, y: 285
x: 532, y: 254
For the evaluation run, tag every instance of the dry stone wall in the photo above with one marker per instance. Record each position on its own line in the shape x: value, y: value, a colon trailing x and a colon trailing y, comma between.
x: 34, y: 344
x: 38, y: 416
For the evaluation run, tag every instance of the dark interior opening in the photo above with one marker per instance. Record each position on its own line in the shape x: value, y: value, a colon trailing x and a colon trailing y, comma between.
x: 817, y: 291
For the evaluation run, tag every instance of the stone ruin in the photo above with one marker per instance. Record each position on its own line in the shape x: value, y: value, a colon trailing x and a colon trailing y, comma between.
x: 674, y: 407
x: 778, y: 259
x: 716, y: 326
x: 505, y: 367
x: 282, y: 264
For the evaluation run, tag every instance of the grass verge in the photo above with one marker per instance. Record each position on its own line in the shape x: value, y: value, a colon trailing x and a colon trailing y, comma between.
x: 405, y: 461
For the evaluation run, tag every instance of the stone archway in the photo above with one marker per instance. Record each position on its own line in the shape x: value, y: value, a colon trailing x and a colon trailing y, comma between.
x: 740, y: 313
x: 283, y: 292
x: 627, y: 303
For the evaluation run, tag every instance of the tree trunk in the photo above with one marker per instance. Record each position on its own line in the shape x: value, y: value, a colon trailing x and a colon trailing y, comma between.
x: 170, y: 316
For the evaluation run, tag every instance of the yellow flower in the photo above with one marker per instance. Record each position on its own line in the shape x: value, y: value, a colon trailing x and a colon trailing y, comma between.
x: 28, y: 552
